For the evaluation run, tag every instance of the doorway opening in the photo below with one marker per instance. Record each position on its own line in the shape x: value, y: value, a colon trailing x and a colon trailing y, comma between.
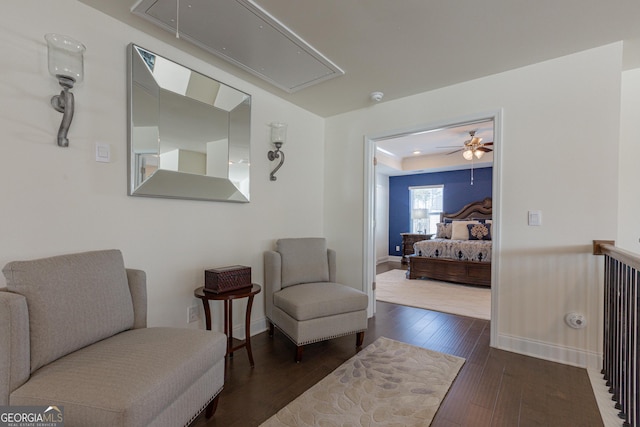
x: 430, y: 150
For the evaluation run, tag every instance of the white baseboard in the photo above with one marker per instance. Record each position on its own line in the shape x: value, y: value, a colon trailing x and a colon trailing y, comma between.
x: 551, y: 352
x: 608, y: 412
x: 388, y: 258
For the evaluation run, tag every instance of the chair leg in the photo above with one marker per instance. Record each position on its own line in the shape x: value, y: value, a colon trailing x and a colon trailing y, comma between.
x: 212, y: 406
x: 299, y: 353
x: 271, y: 329
x: 359, y: 339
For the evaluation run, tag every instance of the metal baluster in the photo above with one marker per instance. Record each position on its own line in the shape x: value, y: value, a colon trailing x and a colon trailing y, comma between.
x: 633, y: 354
x: 623, y: 398
x: 615, y: 325
x: 621, y: 338
x: 606, y: 357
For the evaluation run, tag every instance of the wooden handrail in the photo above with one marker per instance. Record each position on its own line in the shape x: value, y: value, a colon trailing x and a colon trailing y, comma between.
x: 607, y: 247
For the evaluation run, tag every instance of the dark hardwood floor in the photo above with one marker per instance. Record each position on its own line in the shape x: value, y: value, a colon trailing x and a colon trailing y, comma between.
x: 493, y: 388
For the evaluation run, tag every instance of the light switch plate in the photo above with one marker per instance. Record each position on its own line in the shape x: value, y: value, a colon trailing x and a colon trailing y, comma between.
x: 103, y: 152
x: 535, y: 218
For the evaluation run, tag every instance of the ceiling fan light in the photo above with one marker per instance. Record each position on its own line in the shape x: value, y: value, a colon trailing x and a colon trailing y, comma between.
x: 478, y: 154
x: 467, y: 154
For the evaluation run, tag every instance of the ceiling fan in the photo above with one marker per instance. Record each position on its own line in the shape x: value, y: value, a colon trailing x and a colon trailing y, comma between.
x: 473, y: 147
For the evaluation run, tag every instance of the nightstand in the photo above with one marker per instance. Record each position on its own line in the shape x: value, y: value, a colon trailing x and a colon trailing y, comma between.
x: 408, y: 239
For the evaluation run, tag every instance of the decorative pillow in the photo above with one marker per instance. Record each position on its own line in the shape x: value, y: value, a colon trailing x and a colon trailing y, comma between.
x: 479, y: 231
x: 443, y: 231
x: 459, y: 230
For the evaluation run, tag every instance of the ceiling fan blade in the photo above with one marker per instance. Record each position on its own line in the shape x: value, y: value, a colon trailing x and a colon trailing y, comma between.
x: 488, y: 143
x: 485, y: 149
x: 457, y: 151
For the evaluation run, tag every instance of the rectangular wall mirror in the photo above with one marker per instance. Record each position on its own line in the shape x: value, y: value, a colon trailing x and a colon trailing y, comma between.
x: 189, y: 135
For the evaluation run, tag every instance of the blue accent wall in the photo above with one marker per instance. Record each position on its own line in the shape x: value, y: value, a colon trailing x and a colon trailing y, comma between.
x: 458, y: 192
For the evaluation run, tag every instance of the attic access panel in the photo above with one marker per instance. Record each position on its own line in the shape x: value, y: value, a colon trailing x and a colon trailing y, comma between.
x: 244, y: 34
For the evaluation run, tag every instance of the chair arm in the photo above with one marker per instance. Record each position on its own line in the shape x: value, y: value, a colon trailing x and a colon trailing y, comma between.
x: 15, y: 354
x: 272, y: 279
x: 138, y: 288
x: 331, y: 255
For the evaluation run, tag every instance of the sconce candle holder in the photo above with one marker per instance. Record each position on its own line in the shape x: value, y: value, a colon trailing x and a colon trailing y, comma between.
x: 278, y: 137
x: 66, y: 64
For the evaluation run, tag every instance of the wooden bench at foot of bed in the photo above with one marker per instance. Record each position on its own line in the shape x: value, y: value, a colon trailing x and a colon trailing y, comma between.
x: 466, y: 272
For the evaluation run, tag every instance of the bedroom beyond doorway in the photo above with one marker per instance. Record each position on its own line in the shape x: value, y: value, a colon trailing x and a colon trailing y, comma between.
x: 394, y: 287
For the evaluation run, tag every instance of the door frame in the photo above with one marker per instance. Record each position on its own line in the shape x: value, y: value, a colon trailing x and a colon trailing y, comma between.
x: 369, y: 256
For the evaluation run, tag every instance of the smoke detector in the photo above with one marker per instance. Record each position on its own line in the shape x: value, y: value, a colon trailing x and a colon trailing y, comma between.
x: 376, y: 96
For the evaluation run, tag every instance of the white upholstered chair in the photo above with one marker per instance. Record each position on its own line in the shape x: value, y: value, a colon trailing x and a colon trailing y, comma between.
x: 73, y: 333
x: 302, y: 297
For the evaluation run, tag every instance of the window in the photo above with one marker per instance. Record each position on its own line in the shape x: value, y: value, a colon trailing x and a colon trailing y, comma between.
x: 426, y: 206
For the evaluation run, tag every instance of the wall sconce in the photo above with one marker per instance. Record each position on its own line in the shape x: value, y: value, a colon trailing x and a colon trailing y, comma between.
x: 66, y: 64
x: 278, y: 137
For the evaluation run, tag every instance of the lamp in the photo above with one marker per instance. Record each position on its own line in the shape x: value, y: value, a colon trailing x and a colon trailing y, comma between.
x: 420, y: 214
x: 66, y: 64
x: 278, y: 138
x: 467, y: 154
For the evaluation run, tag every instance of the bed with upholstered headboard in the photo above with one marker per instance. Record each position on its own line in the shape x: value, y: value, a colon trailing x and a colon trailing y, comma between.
x: 461, y: 250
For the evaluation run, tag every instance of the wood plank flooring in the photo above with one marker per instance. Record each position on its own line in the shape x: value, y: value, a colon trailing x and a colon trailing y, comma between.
x: 493, y: 388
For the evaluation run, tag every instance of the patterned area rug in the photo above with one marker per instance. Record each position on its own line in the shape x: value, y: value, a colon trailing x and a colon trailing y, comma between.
x: 389, y: 383
x: 472, y: 301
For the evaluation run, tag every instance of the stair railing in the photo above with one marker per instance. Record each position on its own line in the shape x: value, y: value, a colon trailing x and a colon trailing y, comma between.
x: 621, y: 332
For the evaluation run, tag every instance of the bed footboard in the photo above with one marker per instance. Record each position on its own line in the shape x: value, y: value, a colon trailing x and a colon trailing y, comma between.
x: 466, y: 272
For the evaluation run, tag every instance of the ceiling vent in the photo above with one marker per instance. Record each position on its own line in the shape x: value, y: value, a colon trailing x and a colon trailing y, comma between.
x: 244, y: 34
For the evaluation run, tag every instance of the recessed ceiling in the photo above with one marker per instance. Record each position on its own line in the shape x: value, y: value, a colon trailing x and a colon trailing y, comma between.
x: 436, y: 141
x: 244, y: 34
x: 432, y: 150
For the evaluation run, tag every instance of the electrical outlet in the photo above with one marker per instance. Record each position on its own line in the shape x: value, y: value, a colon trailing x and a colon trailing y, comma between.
x: 193, y: 314
x: 397, y: 248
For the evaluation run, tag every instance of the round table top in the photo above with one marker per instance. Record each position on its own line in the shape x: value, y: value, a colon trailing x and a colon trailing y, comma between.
x: 238, y: 293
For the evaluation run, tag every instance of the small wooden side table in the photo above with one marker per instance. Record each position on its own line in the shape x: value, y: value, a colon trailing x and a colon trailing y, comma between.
x: 227, y: 298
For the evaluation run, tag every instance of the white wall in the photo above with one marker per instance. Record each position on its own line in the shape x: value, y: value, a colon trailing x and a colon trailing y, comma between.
x: 382, y: 218
x: 59, y: 200
x: 559, y: 154
x: 628, y: 224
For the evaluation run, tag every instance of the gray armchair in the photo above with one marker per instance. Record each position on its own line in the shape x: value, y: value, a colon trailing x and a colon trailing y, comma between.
x: 73, y: 334
x: 303, y: 299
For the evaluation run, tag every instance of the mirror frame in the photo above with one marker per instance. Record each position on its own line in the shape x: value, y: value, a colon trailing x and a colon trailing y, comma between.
x: 166, y: 183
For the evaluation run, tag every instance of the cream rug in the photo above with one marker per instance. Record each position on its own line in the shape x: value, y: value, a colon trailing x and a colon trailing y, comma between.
x: 472, y: 301
x: 389, y: 383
